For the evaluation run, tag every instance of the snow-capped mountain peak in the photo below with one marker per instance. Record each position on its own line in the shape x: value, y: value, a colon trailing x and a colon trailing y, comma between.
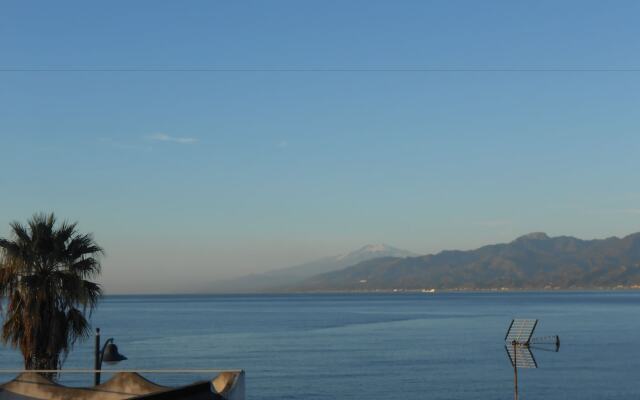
x: 373, y: 251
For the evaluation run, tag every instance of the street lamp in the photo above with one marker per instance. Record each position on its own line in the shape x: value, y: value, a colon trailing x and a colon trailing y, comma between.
x: 109, y: 354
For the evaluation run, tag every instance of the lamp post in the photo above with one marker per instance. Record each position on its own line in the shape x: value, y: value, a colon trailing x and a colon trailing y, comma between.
x: 109, y: 354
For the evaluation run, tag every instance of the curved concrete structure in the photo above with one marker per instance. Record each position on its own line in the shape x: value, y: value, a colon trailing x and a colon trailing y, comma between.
x: 123, y: 385
x: 230, y: 385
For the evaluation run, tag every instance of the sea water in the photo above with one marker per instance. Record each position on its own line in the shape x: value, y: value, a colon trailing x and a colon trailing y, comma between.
x: 375, y: 346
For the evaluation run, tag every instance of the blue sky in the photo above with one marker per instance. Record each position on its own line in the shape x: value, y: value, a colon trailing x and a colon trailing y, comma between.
x: 188, y: 177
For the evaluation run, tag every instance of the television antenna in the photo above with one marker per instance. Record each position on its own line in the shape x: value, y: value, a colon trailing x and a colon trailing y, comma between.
x: 519, y: 341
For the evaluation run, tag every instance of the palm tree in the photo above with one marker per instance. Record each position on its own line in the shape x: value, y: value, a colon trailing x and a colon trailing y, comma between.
x: 44, y: 276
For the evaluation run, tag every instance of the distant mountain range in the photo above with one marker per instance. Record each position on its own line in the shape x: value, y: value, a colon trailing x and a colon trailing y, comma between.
x: 533, y: 261
x: 285, y: 278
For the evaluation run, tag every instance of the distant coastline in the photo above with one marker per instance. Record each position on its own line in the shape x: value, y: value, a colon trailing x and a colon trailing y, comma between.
x: 460, y: 290
x: 531, y: 262
x: 385, y: 291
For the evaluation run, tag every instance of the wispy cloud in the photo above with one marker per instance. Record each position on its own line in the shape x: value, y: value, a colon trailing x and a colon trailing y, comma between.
x: 282, y: 144
x: 163, y: 137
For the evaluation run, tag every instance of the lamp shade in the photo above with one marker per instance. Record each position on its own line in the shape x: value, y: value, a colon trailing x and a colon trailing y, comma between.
x: 111, y: 355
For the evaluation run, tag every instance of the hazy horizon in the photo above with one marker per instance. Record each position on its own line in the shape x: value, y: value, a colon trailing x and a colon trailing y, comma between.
x: 166, y: 282
x: 213, y: 140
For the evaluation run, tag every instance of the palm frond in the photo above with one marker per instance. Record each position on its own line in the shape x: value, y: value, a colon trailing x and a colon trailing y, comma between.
x: 44, y: 277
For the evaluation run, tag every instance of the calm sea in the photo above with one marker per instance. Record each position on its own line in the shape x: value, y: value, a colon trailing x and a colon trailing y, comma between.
x: 378, y: 346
